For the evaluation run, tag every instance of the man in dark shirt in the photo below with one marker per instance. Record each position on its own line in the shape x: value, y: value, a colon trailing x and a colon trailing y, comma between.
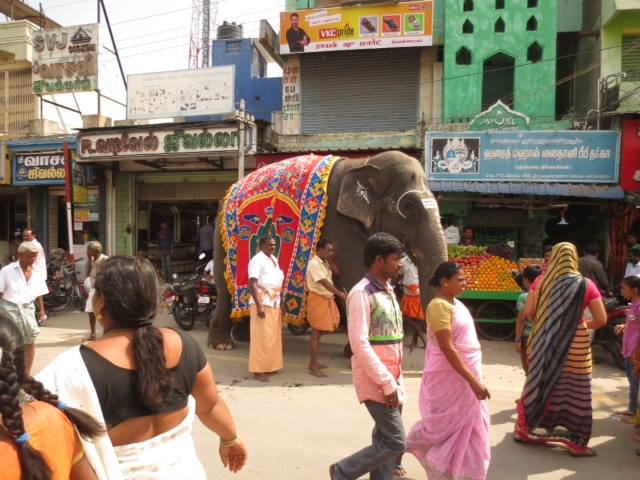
x: 297, y: 38
x: 164, y: 239
x: 591, y: 268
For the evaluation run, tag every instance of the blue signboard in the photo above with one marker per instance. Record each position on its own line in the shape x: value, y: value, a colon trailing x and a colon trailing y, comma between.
x: 41, y: 168
x: 539, y: 156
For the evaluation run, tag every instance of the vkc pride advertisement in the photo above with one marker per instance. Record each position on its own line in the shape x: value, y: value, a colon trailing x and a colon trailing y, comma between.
x: 406, y: 24
x: 630, y: 179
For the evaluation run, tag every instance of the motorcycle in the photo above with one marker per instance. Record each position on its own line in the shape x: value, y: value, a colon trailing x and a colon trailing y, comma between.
x: 62, y: 283
x: 606, y: 336
x: 193, y: 298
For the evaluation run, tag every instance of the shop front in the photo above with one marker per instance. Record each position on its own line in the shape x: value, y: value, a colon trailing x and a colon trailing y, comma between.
x: 520, y: 191
x: 39, y: 168
x: 173, y: 173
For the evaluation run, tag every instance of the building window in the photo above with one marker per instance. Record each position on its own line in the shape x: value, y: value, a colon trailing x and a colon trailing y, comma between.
x: 233, y: 47
x: 534, y: 52
x: 532, y: 24
x: 499, y: 26
x: 498, y: 79
x: 467, y: 6
x: 631, y: 58
x: 467, y: 27
x: 463, y: 56
x: 532, y: 3
x: 499, y: 4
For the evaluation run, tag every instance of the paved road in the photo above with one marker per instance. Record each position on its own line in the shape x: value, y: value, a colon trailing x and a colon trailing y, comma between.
x: 297, y: 425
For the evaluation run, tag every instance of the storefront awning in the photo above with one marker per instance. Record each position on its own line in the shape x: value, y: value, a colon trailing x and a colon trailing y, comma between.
x: 607, y: 192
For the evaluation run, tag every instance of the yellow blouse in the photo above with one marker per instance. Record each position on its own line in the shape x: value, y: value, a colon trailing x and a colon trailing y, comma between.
x: 440, y: 315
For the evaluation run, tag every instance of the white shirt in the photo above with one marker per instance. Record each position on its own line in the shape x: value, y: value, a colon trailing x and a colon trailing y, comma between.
x: 633, y: 270
x: 40, y: 265
x: 15, y: 288
x: 208, y: 270
x: 409, y: 272
x: 266, y: 270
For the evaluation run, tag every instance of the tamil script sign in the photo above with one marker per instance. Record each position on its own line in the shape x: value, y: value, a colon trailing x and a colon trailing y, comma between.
x: 541, y: 156
x: 184, y: 93
x: 499, y: 117
x: 65, y: 60
x: 42, y: 168
x: 156, y: 143
x: 406, y: 24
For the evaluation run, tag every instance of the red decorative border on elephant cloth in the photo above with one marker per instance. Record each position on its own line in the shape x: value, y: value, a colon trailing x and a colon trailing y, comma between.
x: 287, y: 200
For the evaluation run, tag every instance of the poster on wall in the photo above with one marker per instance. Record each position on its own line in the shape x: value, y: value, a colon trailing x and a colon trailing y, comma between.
x: 65, y: 60
x: 540, y: 156
x: 183, y: 93
x: 405, y: 24
x: 630, y: 178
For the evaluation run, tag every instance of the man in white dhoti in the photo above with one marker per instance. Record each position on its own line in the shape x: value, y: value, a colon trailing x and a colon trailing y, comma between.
x: 39, y: 266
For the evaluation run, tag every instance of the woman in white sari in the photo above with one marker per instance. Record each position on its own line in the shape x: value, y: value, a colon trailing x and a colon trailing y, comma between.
x: 145, y: 383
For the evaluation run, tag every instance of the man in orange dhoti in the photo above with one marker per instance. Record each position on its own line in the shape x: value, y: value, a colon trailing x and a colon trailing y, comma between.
x: 322, y: 311
x: 265, y: 285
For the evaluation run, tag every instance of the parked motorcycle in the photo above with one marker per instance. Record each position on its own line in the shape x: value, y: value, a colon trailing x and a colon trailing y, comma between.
x: 193, y: 298
x: 606, y: 337
x: 62, y: 283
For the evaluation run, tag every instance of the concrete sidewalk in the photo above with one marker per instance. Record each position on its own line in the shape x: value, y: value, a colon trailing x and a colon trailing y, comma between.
x: 296, y: 425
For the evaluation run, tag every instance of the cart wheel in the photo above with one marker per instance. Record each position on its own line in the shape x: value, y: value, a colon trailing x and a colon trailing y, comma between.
x: 496, y: 320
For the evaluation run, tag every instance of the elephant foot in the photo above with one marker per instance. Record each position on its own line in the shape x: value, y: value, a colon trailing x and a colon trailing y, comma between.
x: 224, y: 346
x: 221, y: 343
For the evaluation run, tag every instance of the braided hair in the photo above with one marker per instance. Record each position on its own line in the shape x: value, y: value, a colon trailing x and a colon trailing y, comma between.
x: 129, y: 287
x: 12, y: 382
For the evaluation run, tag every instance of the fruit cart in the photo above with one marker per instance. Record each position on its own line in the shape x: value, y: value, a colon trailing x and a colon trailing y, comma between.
x: 491, y: 290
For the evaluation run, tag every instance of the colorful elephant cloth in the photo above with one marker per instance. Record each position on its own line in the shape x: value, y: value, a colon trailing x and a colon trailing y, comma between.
x: 286, y: 200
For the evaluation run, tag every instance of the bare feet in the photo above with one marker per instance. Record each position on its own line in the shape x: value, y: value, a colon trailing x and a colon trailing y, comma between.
x: 261, y: 377
x: 316, y: 372
x: 399, y: 471
x: 90, y: 338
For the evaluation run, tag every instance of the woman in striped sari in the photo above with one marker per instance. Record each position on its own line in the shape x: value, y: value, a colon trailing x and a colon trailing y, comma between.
x: 555, y: 406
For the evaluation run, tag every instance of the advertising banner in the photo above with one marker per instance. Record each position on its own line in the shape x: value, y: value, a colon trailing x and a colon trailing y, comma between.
x: 157, y: 143
x: 630, y: 178
x: 182, y: 93
x: 42, y: 168
x: 65, y: 60
x: 404, y: 24
x: 540, y: 156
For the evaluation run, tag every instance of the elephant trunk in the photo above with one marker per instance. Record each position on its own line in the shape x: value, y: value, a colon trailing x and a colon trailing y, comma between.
x: 431, y: 252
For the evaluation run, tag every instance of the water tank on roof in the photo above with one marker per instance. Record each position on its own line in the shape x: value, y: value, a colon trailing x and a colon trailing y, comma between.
x: 229, y: 31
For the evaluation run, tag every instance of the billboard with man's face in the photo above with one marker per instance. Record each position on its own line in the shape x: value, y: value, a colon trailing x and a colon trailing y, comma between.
x: 406, y: 24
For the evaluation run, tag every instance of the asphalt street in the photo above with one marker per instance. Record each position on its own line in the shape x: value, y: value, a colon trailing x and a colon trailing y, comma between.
x: 297, y: 425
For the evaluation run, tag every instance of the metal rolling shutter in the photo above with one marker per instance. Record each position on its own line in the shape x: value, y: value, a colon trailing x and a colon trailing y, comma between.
x: 360, y: 91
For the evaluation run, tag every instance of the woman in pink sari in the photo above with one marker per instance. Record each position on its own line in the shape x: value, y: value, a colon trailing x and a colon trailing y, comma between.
x: 451, y: 441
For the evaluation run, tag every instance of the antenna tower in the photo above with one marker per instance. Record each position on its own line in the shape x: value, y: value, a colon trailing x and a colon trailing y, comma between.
x: 203, y: 19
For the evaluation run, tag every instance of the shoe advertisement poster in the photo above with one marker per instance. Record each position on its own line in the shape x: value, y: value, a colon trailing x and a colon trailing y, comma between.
x: 406, y: 24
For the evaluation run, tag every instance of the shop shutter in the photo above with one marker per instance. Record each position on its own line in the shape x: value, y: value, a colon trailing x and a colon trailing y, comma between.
x: 631, y: 57
x: 360, y: 91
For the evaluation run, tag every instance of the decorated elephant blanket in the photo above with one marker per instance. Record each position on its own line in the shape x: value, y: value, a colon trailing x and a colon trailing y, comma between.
x: 288, y: 201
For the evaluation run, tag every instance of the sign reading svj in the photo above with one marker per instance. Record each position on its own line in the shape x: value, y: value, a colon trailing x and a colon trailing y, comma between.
x: 543, y: 156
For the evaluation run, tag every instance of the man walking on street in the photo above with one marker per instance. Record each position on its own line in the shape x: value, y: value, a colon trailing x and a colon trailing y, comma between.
x: 265, y: 327
x: 322, y: 311
x: 164, y: 239
x: 376, y: 338
x: 205, y: 238
x: 40, y: 267
x: 20, y: 285
x: 590, y: 267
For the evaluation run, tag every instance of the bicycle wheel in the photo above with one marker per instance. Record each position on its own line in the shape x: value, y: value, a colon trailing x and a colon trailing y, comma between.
x: 496, y: 320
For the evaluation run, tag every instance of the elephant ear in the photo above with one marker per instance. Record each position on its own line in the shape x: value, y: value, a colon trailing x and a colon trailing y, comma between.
x: 360, y: 193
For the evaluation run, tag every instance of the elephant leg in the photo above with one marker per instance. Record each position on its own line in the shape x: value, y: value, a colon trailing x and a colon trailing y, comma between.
x: 220, y: 331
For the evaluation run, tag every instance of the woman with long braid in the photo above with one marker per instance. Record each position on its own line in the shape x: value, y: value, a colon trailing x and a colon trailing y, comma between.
x: 557, y: 392
x: 37, y: 436
x: 146, y: 383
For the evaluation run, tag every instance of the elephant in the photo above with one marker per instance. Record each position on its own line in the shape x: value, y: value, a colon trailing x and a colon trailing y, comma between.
x: 387, y: 192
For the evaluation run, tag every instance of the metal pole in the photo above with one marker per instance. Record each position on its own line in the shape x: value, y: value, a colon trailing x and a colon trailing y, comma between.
x: 241, y: 127
x: 599, y: 103
x: 67, y: 183
x: 113, y: 42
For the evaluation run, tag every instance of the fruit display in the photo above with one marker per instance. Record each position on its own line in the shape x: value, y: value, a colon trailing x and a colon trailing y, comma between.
x: 484, y: 272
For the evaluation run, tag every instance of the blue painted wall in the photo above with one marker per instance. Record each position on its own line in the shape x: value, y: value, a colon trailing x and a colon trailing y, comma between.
x: 262, y: 95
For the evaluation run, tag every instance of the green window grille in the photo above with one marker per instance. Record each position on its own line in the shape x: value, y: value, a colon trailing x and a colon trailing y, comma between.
x: 631, y: 57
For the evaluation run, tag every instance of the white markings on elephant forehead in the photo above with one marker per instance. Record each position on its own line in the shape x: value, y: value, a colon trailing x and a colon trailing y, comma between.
x: 424, y: 190
x: 430, y: 203
x: 362, y: 191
